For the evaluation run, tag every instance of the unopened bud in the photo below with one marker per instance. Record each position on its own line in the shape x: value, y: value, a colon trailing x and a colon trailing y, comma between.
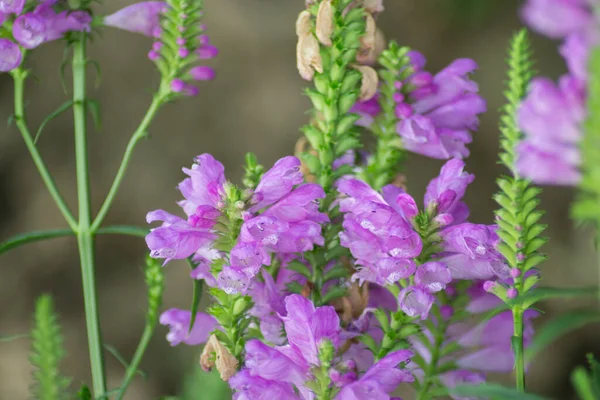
x: 325, y: 25
x: 216, y: 354
x: 369, y: 82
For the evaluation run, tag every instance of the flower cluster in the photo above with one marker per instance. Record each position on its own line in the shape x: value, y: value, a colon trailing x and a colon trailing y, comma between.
x: 25, y: 27
x: 551, y: 115
x: 436, y: 113
x: 180, y: 41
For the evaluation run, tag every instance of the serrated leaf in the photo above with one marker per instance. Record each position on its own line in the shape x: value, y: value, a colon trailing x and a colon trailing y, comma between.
x: 368, y: 341
x: 63, y: 107
x: 558, y: 327
x: 534, y: 245
x: 534, y: 260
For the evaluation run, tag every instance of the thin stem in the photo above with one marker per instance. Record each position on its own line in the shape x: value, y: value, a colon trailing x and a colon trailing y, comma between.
x: 431, y: 370
x: 517, y: 345
x: 132, y: 369
x: 137, y: 136
x: 85, y: 236
x: 19, y: 76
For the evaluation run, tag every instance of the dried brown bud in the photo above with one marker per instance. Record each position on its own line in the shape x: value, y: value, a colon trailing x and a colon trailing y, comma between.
x: 302, y: 146
x: 353, y: 304
x: 215, y: 353
x: 373, y: 7
x: 368, y: 40
x: 370, y: 82
x: 308, y: 56
x: 303, y: 23
x: 325, y: 24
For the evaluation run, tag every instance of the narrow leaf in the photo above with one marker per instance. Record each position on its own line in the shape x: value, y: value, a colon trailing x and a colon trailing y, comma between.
x: 583, y: 384
x: 491, y: 391
x: 196, y: 296
x: 30, y: 237
x: 63, y: 107
x: 545, y: 293
x: 124, y: 230
x: 116, y: 354
x: 558, y: 327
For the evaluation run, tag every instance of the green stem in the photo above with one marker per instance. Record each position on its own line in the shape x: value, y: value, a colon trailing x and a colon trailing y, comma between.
x: 85, y: 236
x: 19, y: 76
x: 132, y: 369
x: 517, y: 344
x: 431, y: 370
x: 137, y: 136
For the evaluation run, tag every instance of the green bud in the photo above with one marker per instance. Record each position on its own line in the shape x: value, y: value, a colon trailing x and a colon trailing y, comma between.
x: 314, y: 136
x: 241, y: 305
x: 327, y: 156
x: 347, y: 100
x: 321, y: 83
x: 330, y: 112
x: 408, y: 330
x: 312, y: 162
x: 337, y: 72
x: 326, y: 352
x: 351, y: 81
x: 530, y: 282
x: 317, y: 99
x: 346, y: 123
x: 231, y: 192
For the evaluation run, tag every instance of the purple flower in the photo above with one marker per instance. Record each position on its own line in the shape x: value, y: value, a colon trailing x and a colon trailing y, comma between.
x: 377, y: 232
x: 30, y: 30
x: 202, y: 271
x: 557, y: 18
x: 462, y: 377
x: 249, y: 257
x: 433, y: 275
x: 202, y: 73
x: 204, y: 185
x: 415, y: 301
x: 269, y: 363
x: 232, y: 280
x: 448, y: 189
x: 178, y: 322
x: 176, y: 238
x: 307, y: 327
x: 10, y: 55
x: 277, y: 182
x: 380, y: 380
x: 143, y: 17
x: 551, y: 119
x: 491, y: 341
x: 470, y: 252
x: 253, y: 387
x: 11, y: 6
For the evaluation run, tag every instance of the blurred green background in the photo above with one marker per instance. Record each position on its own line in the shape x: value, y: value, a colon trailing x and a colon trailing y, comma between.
x: 254, y: 105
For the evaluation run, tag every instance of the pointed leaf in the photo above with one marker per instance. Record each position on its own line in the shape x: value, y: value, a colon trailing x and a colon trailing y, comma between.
x: 545, y: 293
x: 93, y: 107
x: 63, y: 107
x: 558, y: 327
x: 30, y: 237
x: 583, y: 384
x: 196, y: 296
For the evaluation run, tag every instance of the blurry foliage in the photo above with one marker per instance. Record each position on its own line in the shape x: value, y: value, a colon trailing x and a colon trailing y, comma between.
x: 199, y: 385
x: 471, y: 13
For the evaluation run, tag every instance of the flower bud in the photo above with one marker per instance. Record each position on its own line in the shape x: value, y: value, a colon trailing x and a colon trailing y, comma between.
x: 10, y: 55
x: 216, y: 354
x: 325, y: 25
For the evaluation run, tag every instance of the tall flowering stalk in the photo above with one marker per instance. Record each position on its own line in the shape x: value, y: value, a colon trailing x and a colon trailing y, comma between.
x: 518, y: 217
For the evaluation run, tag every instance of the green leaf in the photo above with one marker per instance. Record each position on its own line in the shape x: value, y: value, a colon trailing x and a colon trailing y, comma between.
x: 123, y: 230
x: 84, y: 393
x: 583, y: 384
x: 196, y: 296
x: 93, y: 107
x: 334, y: 293
x: 198, y: 385
x: 544, y: 293
x: 490, y: 391
x: 47, y: 352
x: 557, y: 327
x: 300, y: 268
x: 63, y: 107
x: 30, y: 237
x: 334, y: 273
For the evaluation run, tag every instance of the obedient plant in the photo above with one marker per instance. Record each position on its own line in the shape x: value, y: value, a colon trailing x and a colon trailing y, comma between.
x: 328, y: 280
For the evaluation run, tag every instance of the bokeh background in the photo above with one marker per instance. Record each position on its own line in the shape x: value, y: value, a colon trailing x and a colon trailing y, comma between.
x: 256, y: 104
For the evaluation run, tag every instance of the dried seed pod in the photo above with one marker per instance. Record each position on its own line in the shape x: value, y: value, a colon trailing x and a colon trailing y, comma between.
x: 216, y: 354
x: 373, y: 7
x: 370, y: 82
x: 325, y: 25
x: 303, y: 23
x: 308, y: 55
